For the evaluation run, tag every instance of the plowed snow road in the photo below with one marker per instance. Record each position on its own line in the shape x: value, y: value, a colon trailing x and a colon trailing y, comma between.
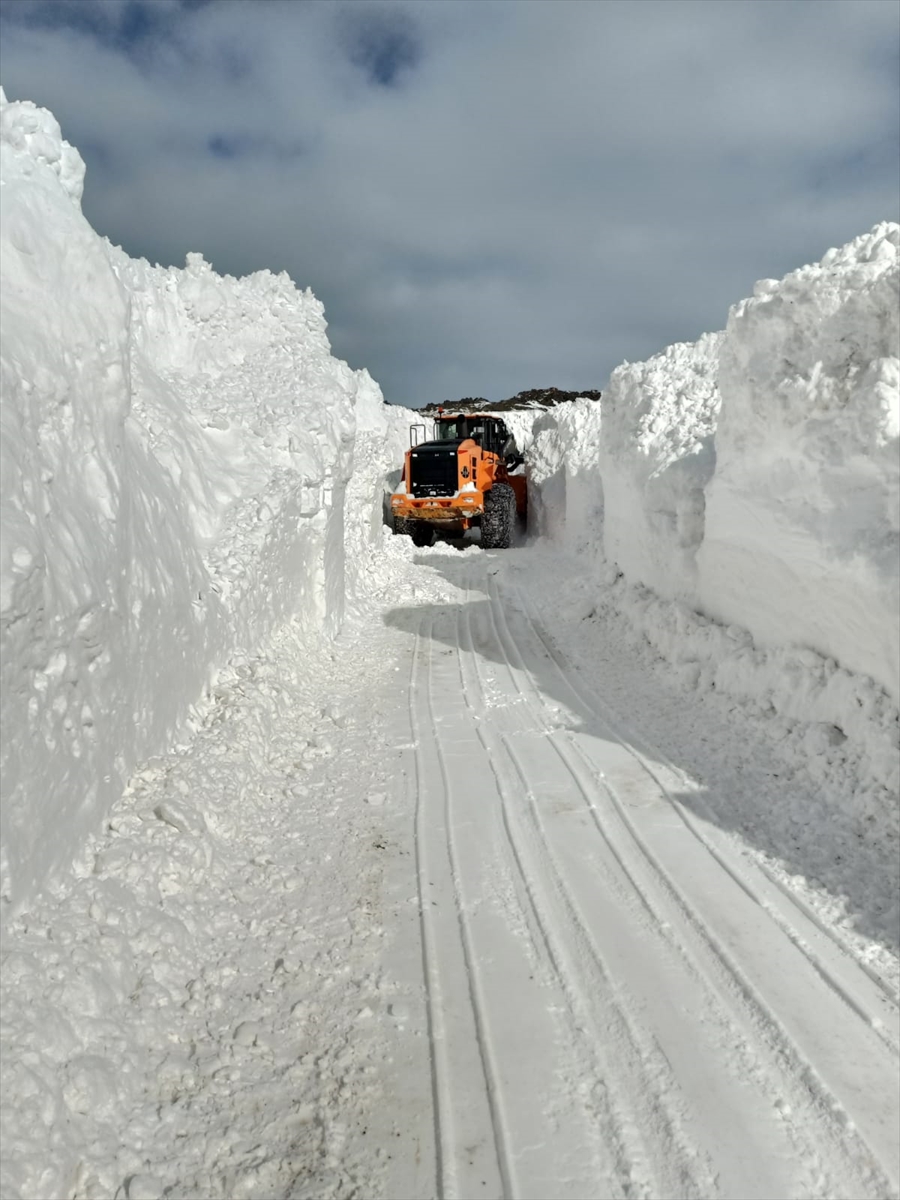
x: 618, y: 1004
x: 535, y: 964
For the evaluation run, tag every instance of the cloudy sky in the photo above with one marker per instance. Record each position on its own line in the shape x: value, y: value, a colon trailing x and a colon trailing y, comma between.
x: 490, y: 195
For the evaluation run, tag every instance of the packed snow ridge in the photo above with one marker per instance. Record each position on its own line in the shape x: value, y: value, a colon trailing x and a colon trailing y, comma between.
x: 186, y: 467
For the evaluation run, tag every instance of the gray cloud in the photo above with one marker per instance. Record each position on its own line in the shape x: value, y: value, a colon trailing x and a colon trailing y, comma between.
x: 486, y: 196
x: 382, y: 41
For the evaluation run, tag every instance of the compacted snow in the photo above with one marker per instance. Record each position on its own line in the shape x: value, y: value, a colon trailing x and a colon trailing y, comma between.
x: 332, y: 867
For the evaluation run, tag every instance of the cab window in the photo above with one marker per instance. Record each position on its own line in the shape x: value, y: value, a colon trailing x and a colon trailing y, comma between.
x: 448, y: 431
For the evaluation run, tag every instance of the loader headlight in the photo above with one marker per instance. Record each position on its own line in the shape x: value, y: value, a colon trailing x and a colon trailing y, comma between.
x: 396, y: 501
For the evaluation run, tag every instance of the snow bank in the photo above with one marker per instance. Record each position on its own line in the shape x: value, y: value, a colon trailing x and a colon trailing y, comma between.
x: 802, y: 515
x: 176, y: 454
x: 656, y: 457
x: 739, y: 501
x: 565, y: 490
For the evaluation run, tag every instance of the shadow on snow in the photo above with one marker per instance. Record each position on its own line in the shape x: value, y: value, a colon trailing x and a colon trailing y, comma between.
x: 747, y: 786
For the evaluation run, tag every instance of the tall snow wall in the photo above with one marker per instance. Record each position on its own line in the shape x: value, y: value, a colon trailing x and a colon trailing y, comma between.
x: 177, y: 451
x: 656, y: 457
x: 803, y: 512
x: 751, y: 480
x: 565, y: 490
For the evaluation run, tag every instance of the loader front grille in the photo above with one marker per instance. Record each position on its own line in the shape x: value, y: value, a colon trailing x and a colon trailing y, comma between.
x: 434, y: 472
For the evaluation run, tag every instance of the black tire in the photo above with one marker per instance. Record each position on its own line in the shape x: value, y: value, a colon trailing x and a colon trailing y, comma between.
x: 499, y: 517
x: 403, y: 525
x: 422, y: 533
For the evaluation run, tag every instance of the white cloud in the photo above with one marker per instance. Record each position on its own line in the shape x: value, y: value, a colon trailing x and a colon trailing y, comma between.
x: 485, y: 196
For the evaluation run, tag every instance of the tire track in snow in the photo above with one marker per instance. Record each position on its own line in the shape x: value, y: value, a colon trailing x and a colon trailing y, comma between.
x: 630, y: 1100
x: 437, y: 1038
x: 505, y: 1049
x: 472, y: 972
x: 731, y: 1047
x: 857, y: 1156
x: 466, y: 1165
x: 871, y: 999
x: 627, y: 1170
x: 888, y: 1024
x: 544, y: 1131
x: 595, y: 908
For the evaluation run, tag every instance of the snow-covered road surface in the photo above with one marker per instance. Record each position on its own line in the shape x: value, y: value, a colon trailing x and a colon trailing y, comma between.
x: 457, y: 929
x: 618, y: 1003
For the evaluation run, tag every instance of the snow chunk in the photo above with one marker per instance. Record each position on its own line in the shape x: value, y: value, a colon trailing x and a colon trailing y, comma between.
x: 182, y: 817
x: 141, y: 1187
x: 35, y: 134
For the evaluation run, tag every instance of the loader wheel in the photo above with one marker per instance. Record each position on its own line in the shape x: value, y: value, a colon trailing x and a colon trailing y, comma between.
x: 402, y: 525
x: 499, y: 517
x: 422, y: 533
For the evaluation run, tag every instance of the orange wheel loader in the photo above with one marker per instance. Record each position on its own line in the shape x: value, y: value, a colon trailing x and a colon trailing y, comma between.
x: 461, y: 477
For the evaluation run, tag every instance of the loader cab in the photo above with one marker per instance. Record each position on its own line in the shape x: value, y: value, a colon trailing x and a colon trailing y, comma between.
x: 492, y: 435
x: 450, y: 429
x: 489, y: 432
